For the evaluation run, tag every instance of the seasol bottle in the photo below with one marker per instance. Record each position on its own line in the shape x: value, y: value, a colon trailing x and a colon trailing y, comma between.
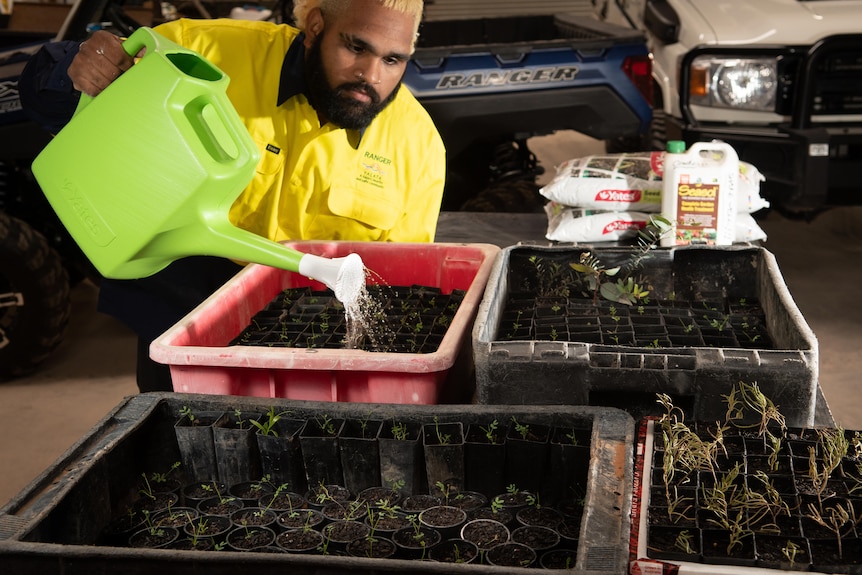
x: 699, y: 193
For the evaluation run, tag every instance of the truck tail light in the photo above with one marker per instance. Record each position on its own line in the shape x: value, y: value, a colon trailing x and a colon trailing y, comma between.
x: 639, y: 71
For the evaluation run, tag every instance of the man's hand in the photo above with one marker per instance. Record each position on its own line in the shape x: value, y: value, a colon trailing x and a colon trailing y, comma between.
x: 100, y: 60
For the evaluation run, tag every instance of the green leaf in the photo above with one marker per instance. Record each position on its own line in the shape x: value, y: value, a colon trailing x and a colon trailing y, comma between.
x: 612, y: 292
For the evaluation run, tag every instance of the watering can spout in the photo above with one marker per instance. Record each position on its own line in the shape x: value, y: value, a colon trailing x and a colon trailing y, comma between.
x: 344, y: 276
x: 217, y: 236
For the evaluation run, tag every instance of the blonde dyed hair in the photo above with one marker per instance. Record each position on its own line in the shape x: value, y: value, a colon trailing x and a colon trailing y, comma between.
x: 301, y: 8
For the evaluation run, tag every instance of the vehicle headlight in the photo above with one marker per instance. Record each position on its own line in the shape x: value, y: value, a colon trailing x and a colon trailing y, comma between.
x: 744, y: 83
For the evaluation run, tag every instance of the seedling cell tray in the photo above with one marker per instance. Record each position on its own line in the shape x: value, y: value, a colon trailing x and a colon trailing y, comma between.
x: 202, y: 361
x: 681, y: 525
x: 722, y: 315
x: 58, y: 524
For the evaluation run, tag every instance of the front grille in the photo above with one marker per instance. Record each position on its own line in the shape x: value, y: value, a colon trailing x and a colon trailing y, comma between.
x: 833, y: 79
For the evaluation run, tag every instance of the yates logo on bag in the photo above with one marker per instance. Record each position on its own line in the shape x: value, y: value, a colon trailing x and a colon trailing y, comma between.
x: 623, y: 226
x: 630, y: 196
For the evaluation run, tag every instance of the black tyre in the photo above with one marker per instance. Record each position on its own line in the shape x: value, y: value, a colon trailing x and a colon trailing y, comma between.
x: 510, y: 196
x: 655, y: 140
x: 34, y: 298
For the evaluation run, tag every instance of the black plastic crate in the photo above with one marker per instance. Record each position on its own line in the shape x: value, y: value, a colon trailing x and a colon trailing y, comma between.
x: 56, y: 524
x: 579, y: 370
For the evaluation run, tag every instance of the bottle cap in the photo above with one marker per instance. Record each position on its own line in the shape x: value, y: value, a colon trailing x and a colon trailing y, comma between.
x: 676, y: 146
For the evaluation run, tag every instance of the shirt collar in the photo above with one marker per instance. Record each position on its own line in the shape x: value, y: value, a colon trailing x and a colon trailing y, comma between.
x: 292, y: 81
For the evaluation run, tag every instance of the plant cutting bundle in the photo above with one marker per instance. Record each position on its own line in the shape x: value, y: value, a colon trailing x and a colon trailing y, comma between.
x: 749, y: 490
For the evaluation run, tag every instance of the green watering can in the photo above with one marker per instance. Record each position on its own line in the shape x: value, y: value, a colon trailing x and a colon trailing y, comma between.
x: 146, y: 173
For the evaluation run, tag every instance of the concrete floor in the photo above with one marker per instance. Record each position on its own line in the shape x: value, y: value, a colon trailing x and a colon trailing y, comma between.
x: 93, y: 369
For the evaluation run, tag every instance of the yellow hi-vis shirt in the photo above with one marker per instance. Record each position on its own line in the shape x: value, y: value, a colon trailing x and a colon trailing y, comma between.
x: 318, y: 182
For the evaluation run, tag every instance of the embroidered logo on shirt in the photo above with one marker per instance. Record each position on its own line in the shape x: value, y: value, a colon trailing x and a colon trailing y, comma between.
x: 374, y: 169
x: 274, y: 149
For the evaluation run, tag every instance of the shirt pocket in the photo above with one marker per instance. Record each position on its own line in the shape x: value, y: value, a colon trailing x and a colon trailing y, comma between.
x: 270, y: 162
x: 256, y: 205
x: 375, y: 209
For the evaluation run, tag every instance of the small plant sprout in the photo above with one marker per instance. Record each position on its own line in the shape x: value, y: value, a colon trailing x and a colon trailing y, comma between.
x: 548, y: 276
x: 456, y: 550
x: 267, y: 427
x: 718, y: 324
x: 396, y: 484
x: 516, y: 325
x: 444, y: 490
x: 199, y: 529
x: 147, y: 489
x: 856, y: 445
x: 832, y: 444
x: 154, y: 529
x: 497, y: 504
x: 161, y: 478
x: 326, y: 424
x: 400, y: 431
x: 186, y: 412
x: 386, y: 507
x: 490, y: 431
x: 839, y: 518
x: 239, y: 421
x: 442, y: 438
x: 594, y: 269
x: 418, y: 536
x: 790, y: 551
x: 363, y: 424
x: 523, y: 429
x: 213, y: 488
x: 684, y: 542
x: 678, y: 507
x: 275, y: 494
x: 323, y: 495
x: 572, y: 437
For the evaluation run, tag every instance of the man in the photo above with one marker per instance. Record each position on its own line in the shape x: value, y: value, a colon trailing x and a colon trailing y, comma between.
x: 347, y: 153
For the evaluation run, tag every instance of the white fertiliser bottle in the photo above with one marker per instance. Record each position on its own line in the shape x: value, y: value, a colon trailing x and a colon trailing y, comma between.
x: 699, y: 193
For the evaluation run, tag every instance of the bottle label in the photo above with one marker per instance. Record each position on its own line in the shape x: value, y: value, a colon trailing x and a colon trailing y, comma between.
x: 697, y: 212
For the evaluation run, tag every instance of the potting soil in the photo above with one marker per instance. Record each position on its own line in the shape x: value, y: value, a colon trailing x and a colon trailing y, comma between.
x: 400, y: 319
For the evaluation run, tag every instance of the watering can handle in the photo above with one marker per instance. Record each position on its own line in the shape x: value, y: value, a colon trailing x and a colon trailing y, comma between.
x: 143, y: 37
x: 222, y: 122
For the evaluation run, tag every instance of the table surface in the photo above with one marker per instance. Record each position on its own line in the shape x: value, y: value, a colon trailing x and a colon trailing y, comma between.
x: 500, y: 229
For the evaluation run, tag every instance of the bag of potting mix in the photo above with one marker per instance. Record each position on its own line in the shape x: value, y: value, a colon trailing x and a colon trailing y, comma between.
x: 632, y: 181
x: 569, y: 224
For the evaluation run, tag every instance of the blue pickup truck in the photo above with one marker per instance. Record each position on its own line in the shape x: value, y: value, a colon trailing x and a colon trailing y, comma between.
x: 489, y: 83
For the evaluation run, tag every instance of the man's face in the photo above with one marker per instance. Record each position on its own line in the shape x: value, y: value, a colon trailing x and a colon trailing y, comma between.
x: 355, y: 63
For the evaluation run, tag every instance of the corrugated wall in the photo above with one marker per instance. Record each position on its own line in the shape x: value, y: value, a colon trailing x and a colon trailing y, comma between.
x: 460, y: 9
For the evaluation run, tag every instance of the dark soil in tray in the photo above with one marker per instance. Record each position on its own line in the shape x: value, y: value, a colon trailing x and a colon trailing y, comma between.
x: 550, y: 301
x: 411, y: 319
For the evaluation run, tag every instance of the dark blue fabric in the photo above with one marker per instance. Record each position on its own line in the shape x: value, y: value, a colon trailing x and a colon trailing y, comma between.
x: 292, y: 80
x: 151, y: 305
x: 45, y: 88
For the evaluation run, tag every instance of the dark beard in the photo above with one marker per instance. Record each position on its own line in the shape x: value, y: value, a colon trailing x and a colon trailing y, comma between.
x: 332, y: 104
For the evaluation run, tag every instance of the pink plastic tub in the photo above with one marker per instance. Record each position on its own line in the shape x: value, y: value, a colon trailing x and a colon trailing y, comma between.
x: 197, y: 351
